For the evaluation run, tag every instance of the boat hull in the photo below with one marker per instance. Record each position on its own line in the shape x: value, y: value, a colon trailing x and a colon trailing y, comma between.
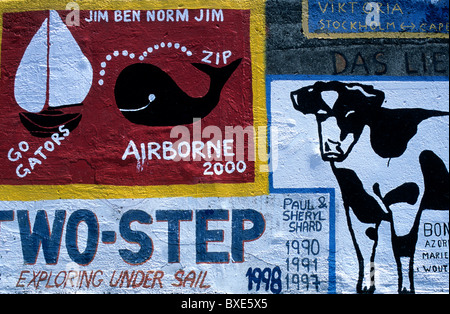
x: 46, y: 123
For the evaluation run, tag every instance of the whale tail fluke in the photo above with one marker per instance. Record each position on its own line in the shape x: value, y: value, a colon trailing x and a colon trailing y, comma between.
x: 219, y: 76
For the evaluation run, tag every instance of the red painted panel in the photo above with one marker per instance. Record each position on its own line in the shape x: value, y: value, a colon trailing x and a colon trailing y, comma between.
x: 91, y: 141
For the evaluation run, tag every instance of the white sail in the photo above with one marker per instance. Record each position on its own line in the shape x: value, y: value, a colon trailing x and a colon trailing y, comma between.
x: 70, y: 71
x: 30, y: 85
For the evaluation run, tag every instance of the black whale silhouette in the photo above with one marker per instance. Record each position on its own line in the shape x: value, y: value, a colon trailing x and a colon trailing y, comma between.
x: 147, y: 95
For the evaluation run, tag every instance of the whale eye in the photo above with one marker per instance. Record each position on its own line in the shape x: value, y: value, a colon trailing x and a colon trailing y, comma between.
x: 151, y: 97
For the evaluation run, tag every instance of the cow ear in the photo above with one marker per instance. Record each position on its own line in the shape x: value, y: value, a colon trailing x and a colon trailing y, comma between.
x: 307, y: 99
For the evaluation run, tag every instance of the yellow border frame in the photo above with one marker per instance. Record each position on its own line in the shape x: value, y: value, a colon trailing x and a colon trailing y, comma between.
x: 257, y: 45
x: 305, y: 25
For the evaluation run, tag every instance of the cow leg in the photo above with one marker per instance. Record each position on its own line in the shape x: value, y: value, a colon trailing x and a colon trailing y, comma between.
x: 404, y: 248
x: 365, y: 240
x: 405, y: 270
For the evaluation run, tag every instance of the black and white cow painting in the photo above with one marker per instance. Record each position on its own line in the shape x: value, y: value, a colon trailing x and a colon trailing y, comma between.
x: 386, y: 164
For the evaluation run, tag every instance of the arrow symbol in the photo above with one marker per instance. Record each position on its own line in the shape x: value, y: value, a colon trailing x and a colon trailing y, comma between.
x: 404, y: 27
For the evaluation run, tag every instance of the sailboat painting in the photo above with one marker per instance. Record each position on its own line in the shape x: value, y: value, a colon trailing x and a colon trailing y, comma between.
x: 53, y: 74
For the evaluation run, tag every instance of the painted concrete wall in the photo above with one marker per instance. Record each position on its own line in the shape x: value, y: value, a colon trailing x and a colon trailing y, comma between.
x: 249, y: 147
